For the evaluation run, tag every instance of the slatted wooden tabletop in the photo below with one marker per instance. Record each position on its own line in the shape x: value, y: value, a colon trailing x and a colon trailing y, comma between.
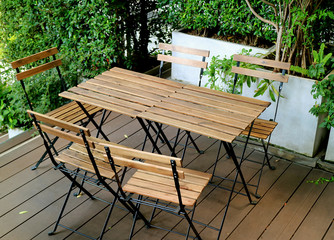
x: 219, y: 115
x: 122, y: 91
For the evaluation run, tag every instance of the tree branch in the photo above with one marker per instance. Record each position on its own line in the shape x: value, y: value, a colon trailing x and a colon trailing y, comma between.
x: 261, y: 18
x: 271, y: 5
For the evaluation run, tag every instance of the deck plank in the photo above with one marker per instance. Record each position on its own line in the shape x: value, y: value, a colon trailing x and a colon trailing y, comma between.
x: 320, y: 217
x: 306, y: 214
x: 296, y: 208
x: 271, y: 203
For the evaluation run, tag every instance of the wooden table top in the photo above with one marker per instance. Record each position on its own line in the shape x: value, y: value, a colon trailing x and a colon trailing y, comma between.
x: 122, y: 91
x: 200, y: 110
x: 207, y: 112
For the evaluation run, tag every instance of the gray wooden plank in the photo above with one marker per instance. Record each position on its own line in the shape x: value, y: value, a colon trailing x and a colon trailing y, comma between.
x: 296, y: 208
x: 319, y: 218
x: 270, y: 204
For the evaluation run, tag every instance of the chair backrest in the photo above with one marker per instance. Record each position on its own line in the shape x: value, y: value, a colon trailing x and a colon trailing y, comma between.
x: 278, y: 74
x: 47, y: 124
x: 202, y: 64
x: 29, y: 72
x: 150, y: 162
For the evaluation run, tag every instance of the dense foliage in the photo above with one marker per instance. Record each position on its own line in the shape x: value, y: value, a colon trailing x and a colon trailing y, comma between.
x: 297, y: 27
x: 91, y: 35
x: 224, y: 18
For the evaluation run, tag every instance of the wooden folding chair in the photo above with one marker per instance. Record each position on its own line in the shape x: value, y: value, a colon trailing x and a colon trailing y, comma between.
x: 70, y: 112
x: 83, y: 156
x: 161, y: 178
x: 261, y: 128
x: 175, y: 59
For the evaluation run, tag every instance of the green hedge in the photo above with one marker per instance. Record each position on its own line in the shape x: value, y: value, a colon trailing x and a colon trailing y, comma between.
x: 91, y: 35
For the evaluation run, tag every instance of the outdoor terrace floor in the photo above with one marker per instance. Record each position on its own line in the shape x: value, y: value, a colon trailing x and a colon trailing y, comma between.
x: 290, y: 208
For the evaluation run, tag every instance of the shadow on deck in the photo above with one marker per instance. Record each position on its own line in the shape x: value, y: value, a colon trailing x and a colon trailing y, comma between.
x: 290, y: 208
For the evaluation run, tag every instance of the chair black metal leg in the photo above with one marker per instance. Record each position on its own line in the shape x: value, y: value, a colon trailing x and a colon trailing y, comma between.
x: 265, y: 148
x: 191, y: 225
x: 135, y: 217
x: 63, y: 207
x: 82, y: 183
x: 107, y: 218
x: 217, y: 158
x: 191, y: 219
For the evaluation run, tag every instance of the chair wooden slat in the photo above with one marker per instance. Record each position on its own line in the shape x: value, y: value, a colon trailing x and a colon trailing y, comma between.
x: 39, y: 69
x: 261, y: 74
x: 63, y: 134
x: 34, y: 57
x: 262, y: 62
x: 134, y: 153
x: 184, y: 61
x: 187, y: 50
x: 59, y: 123
x: 163, y: 170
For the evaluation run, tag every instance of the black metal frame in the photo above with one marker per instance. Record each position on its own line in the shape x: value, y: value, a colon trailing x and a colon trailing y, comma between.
x: 63, y: 88
x: 265, y: 146
x: 96, y: 180
x: 180, y: 210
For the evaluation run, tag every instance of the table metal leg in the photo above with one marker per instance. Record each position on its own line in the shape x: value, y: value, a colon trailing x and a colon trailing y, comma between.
x: 148, y: 134
x: 91, y: 119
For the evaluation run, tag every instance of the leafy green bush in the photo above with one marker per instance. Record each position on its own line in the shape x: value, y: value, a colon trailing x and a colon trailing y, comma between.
x: 91, y: 35
x: 319, y: 66
x: 219, y: 17
x: 324, y: 89
x: 221, y: 78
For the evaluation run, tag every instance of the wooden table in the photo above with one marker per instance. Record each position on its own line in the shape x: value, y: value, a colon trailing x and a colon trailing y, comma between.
x: 211, y: 113
x: 122, y: 91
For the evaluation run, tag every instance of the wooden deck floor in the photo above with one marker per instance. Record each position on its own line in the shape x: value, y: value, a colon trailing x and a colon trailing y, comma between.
x: 290, y: 208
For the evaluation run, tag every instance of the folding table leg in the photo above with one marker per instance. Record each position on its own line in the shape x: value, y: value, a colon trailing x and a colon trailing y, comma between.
x: 91, y: 119
x: 148, y: 134
x: 230, y: 151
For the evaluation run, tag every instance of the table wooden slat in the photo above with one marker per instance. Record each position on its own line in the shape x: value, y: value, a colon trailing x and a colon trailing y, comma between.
x: 208, y: 115
x: 132, y: 87
x: 196, y: 120
x: 211, y: 110
x: 148, y: 77
x: 222, y: 99
x: 187, y: 126
x: 124, y: 89
x: 99, y: 103
x: 216, y: 104
x: 117, y: 94
x: 228, y: 95
x: 108, y: 99
x: 138, y: 81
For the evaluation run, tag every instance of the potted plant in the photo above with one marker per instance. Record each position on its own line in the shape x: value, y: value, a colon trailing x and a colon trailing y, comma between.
x: 325, y: 89
x: 10, y: 119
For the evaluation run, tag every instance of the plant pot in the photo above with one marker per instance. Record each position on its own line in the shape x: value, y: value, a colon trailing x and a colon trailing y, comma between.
x: 330, y: 147
x: 14, y: 132
x: 297, y: 128
x: 216, y: 47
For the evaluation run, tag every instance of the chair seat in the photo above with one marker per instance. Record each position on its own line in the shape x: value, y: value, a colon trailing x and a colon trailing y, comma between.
x: 162, y: 187
x: 71, y: 112
x: 261, y: 128
x: 77, y: 156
